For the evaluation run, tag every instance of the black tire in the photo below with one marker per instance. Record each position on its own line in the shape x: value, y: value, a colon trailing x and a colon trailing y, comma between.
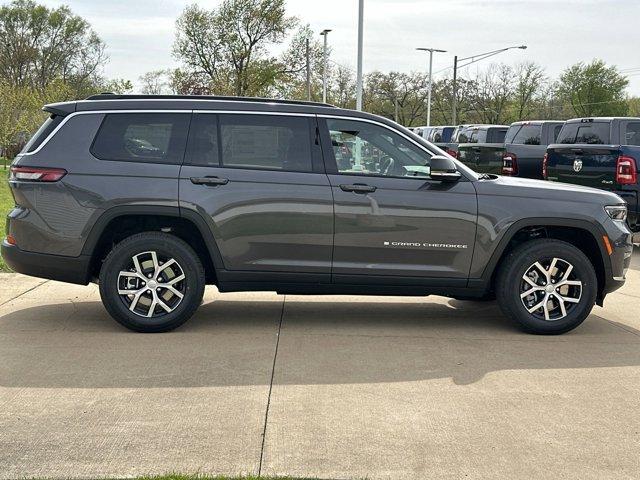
x: 510, y: 285
x: 165, y: 245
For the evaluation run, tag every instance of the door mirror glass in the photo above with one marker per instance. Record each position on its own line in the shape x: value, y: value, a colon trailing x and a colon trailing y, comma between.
x: 444, y: 169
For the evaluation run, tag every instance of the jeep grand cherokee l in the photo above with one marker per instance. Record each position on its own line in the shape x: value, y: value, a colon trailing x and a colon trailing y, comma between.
x: 154, y: 197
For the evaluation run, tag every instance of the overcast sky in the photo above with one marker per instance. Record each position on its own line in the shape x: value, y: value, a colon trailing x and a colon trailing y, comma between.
x: 139, y: 33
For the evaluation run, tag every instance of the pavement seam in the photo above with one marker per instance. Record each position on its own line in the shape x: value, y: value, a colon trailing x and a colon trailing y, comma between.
x: 273, y: 370
x: 23, y: 293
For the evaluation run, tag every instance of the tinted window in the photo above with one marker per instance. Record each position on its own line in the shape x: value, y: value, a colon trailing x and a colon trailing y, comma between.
x: 585, y: 132
x: 142, y: 137
x: 496, y: 135
x: 476, y: 135
x: 511, y: 133
x: 436, y: 135
x: 446, y: 134
x: 527, y: 135
x: 556, y: 132
x: 464, y: 134
x: 362, y: 148
x: 632, y: 134
x: 43, y: 132
x: 203, y: 140
x: 266, y: 141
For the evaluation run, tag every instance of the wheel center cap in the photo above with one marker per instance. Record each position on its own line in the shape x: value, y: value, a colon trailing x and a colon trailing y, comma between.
x: 152, y: 284
x: 550, y: 288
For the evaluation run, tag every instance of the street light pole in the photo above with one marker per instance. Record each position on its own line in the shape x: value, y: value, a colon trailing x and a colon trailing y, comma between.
x: 473, y: 59
x: 430, y: 50
x: 359, y: 70
x: 324, y: 33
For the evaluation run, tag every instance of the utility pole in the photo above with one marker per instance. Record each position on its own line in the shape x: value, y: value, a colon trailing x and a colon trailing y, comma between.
x: 308, y: 72
x: 359, y: 70
x: 324, y: 33
x: 430, y: 50
x: 455, y: 91
x: 395, y: 113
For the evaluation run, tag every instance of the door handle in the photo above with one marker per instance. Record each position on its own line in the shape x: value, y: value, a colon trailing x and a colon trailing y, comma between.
x: 211, y: 181
x: 358, y: 188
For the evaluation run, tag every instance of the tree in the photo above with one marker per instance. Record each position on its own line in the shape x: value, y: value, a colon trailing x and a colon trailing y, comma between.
x: 494, y: 90
x: 229, y: 44
x: 396, y: 95
x: 530, y: 80
x: 40, y: 45
x: 594, y: 89
x: 155, y: 82
x: 342, y: 87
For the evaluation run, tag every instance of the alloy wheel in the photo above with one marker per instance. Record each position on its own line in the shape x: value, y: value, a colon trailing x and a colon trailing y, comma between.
x: 550, y: 289
x: 152, y: 285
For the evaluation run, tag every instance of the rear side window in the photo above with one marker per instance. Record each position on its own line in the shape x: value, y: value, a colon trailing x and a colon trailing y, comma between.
x: 43, y: 132
x: 527, y: 135
x: 556, y: 132
x: 273, y: 142
x: 632, y: 133
x: 477, y: 135
x: 464, y: 135
x: 142, y: 137
x: 585, y: 132
x: 203, y: 141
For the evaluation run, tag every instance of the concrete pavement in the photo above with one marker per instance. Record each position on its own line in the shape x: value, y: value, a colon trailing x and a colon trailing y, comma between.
x: 343, y: 387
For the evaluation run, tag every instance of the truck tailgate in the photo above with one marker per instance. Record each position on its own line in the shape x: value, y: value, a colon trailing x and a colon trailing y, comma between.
x: 482, y: 157
x: 588, y: 165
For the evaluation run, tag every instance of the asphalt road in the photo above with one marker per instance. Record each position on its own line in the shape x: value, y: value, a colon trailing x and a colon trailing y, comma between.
x: 333, y: 387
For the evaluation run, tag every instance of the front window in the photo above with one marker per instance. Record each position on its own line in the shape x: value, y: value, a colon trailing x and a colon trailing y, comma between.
x: 362, y: 148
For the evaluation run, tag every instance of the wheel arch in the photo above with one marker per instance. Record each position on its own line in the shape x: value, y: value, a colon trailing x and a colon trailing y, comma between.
x: 119, y: 222
x: 569, y: 230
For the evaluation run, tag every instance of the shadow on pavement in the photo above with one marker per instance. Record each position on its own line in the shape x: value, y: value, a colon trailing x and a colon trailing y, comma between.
x: 233, y: 343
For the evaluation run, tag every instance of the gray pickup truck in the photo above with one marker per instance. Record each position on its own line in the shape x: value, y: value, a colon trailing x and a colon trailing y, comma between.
x: 481, y: 147
x: 525, y: 145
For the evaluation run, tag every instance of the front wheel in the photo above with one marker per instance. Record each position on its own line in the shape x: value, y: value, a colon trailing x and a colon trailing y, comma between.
x: 152, y: 282
x: 546, y: 286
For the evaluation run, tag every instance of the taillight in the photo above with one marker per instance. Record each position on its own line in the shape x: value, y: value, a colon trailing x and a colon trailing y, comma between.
x: 453, y: 153
x: 35, y: 174
x: 545, y: 166
x: 626, y: 171
x: 509, y: 164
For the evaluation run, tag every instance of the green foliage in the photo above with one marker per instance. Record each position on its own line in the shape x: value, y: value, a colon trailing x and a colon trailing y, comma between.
x: 594, y: 89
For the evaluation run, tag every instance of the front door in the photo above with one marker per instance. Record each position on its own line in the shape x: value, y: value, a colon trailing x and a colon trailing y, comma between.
x: 259, y: 181
x: 391, y: 220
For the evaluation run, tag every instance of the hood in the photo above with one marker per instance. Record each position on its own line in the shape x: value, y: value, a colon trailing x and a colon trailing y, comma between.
x: 542, y: 189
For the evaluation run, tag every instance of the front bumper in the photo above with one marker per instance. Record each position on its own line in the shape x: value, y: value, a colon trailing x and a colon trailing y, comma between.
x: 53, y: 267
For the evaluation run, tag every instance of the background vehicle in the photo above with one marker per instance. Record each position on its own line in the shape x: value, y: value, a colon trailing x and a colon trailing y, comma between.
x: 441, y: 136
x: 481, y: 147
x: 525, y: 145
x: 601, y: 153
x: 423, y: 132
x: 154, y: 197
x: 457, y: 136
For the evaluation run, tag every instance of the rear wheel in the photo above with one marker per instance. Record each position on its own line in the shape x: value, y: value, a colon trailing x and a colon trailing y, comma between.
x: 152, y: 282
x: 546, y: 286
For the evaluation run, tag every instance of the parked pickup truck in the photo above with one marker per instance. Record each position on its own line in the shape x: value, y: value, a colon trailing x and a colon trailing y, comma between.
x: 601, y: 153
x: 481, y: 147
x: 459, y: 134
x: 525, y: 145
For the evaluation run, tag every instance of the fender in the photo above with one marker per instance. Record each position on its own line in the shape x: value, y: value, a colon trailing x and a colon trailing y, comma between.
x: 151, y: 210
x: 594, y: 228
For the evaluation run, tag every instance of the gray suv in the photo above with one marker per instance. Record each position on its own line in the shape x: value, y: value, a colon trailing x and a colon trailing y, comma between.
x: 154, y: 197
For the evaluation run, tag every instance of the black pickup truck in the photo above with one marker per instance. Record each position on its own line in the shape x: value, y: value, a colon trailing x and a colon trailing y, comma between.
x: 481, y: 147
x: 601, y: 153
x: 525, y: 145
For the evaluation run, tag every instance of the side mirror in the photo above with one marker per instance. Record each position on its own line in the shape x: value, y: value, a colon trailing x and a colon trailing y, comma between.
x: 444, y: 169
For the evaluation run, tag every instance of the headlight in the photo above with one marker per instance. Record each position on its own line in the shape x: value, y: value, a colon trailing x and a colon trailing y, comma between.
x: 617, y: 212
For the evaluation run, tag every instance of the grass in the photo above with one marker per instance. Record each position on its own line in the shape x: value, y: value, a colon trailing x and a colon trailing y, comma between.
x: 6, y: 203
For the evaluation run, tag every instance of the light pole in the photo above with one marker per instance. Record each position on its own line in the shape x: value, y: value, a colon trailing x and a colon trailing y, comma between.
x: 324, y: 33
x: 430, y: 50
x: 359, y: 70
x: 473, y: 59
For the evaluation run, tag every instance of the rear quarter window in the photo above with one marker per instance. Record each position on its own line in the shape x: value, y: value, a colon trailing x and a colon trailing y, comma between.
x: 142, y: 137
x: 527, y: 135
x: 43, y: 132
x: 632, y: 133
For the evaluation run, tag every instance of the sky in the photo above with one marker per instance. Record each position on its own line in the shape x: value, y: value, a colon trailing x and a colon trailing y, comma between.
x: 139, y: 33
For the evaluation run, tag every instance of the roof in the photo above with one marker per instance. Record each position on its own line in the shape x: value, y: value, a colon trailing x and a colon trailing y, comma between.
x: 112, y: 96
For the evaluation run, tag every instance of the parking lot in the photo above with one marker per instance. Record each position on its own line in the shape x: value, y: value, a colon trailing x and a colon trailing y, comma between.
x: 350, y: 387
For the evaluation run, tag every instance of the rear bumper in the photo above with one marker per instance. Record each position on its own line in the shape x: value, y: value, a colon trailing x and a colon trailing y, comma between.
x: 53, y: 267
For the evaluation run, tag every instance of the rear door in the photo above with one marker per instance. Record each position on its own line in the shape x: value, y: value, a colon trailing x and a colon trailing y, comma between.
x: 585, y: 154
x: 258, y: 179
x: 392, y: 222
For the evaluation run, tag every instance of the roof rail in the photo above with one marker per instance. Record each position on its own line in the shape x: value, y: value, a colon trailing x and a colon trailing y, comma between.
x: 113, y: 96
